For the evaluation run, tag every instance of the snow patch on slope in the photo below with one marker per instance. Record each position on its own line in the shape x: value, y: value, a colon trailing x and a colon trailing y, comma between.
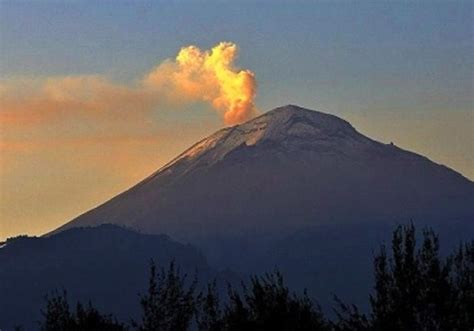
x: 277, y: 126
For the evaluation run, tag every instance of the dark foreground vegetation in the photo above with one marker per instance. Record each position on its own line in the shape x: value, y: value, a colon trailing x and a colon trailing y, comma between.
x: 415, y: 289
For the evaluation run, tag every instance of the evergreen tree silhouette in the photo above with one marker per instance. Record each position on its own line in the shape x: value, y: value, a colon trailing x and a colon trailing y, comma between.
x: 208, y: 313
x: 462, y: 286
x: 268, y: 305
x: 58, y: 317
x: 416, y: 289
x: 168, y: 304
x: 349, y: 318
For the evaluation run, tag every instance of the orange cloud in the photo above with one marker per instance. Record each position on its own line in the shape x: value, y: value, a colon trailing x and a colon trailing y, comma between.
x: 26, y: 102
x: 209, y: 76
x: 194, y: 75
x: 88, y: 137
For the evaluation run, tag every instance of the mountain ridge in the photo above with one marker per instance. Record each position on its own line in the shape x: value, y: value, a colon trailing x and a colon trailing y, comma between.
x: 290, y: 112
x: 294, y: 189
x: 283, y: 158
x: 106, y: 265
x: 254, y: 131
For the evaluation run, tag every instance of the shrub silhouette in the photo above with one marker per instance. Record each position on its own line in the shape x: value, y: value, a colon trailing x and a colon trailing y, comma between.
x: 415, y: 289
x: 58, y: 317
x: 268, y: 305
x: 208, y: 313
x: 168, y: 304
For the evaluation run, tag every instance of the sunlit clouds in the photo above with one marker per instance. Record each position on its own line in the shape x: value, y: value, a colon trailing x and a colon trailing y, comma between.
x: 194, y: 76
x: 78, y: 139
x: 208, y: 76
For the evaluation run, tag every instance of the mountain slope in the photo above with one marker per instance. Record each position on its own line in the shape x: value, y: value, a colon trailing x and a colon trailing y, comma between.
x: 287, y: 169
x: 107, y: 265
x: 299, y: 190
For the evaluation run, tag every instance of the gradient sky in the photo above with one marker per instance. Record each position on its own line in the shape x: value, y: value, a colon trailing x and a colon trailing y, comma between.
x: 398, y: 71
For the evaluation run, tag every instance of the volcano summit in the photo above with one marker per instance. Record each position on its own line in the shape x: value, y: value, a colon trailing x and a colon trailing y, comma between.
x: 294, y: 189
x: 288, y: 169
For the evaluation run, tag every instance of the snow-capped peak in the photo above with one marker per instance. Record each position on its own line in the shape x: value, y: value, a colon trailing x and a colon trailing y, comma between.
x: 280, y: 125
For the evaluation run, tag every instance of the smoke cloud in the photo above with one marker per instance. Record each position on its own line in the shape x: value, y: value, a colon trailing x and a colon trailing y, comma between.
x: 193, y: 76
x: 209, y: 76
x: 89, y: 136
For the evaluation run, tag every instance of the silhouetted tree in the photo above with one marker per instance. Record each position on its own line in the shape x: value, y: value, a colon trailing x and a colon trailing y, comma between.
x: 268, y: 305
x: 397, y: 299
x: 58, y: 317
x: 168, y: 304
x: 208, y: 313
x: 416, y: 289
x: 349, y: 318
x: 462, y: 287
x: 236, y: 313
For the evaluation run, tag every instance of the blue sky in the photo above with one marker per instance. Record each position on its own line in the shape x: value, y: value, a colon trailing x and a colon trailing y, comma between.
x: 334, y: 54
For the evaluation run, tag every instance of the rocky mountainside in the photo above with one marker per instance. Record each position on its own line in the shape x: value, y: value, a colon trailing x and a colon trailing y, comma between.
x: 106, y: 265
x: 299, y: 190
x: 287, y: 169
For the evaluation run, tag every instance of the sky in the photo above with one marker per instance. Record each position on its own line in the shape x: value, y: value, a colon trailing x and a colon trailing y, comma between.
x: 97, y: 95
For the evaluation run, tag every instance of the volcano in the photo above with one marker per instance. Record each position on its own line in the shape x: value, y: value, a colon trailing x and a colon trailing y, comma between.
x: 293, y: 189
x: 286, y: 170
